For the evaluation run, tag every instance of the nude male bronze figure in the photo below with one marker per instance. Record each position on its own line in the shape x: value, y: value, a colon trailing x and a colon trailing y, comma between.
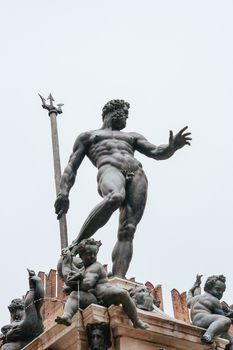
x: 121, y: 180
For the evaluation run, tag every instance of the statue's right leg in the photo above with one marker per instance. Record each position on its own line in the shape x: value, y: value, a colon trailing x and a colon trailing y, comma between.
x: 76, y: 300
x: 111, y: 186
x: 71, y: 307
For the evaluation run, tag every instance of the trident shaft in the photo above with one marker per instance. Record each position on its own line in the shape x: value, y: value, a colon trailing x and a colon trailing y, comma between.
x: 53, y: 111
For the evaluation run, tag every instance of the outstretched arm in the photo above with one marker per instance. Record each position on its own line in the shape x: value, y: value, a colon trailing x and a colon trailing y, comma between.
x: 69, y: 175
x: 195, y: 290
x: 176, y: 142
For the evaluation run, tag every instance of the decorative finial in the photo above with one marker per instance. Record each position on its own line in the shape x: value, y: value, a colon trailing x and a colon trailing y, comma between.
x: 50, y: 106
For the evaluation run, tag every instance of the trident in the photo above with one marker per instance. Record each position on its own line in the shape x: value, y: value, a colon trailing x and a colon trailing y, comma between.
x: 53, y: 111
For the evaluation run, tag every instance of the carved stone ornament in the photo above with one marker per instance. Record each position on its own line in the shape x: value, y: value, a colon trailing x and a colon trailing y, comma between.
x: 142, y: 298
x: 98, y: 336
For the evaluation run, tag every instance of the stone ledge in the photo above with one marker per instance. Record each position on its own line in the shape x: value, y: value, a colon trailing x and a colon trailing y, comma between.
x: 95, y: 314
x: 123, y: 283
x: 59, y: 337
x: 163, y: 332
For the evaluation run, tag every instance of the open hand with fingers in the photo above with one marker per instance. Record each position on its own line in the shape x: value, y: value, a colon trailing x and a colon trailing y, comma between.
x: 228, y: 311
x: 181, y: 139
x: 198, y: 281
x: 74, y: 276
x: 230, y: 315
x: 61, y: 205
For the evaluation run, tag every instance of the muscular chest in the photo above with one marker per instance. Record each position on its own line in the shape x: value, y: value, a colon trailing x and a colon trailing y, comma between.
x: 110, y: 139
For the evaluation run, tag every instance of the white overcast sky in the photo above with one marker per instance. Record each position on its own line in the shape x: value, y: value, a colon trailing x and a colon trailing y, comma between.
x: 172, y: 60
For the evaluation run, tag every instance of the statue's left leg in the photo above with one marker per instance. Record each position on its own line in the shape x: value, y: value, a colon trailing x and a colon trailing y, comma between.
x: 131, y: 212
x: 115, y: 295
x: 216, y: 325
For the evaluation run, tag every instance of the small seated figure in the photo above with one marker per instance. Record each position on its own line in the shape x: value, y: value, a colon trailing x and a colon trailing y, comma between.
x: 142, y: 298
x: 16, y: 309
x: 207, y: 311
x: 92, y: 283
x: 26, y: 321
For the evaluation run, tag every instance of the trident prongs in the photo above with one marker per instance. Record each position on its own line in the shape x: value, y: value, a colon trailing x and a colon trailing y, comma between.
x: 50, y: 106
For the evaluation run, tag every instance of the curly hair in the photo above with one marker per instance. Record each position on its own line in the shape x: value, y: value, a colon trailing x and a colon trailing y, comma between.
x: 85, y: 242
x: 211, y: 281
x: 114, y: 105
x: 16, y: 304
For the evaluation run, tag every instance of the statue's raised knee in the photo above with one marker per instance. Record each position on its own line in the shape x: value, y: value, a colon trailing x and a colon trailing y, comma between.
x: 115, y: 200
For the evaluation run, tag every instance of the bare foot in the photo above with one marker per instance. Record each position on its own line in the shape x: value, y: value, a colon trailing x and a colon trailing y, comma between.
x: 206, y: 338
x: 140, y: 324
x: 63, y: 320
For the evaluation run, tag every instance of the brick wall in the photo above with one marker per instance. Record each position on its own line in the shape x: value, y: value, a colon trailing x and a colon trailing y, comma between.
x: 54, y: 297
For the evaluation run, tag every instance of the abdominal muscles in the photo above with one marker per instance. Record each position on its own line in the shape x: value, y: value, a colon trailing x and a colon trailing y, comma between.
x: 118, y: 153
